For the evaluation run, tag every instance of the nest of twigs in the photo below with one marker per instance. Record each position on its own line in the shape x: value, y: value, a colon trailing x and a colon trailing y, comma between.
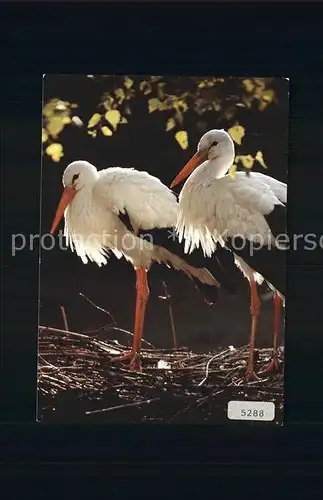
x: 78, y: 381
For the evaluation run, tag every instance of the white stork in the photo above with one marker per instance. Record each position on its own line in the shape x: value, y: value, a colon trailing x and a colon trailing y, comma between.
x: 246, y: 214
x: 133, y: 215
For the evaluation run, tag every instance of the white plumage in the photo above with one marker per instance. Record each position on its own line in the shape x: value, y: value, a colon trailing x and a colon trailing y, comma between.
x: 93, y: 226
x: 109, y: 211
x: 92, y: 222
x: 217, y: 209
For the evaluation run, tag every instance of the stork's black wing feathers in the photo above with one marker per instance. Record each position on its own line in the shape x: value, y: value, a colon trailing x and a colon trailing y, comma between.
x: 221, y: 264
x: 270, y: 262
x: 277, y: 220
x: 125, y: 219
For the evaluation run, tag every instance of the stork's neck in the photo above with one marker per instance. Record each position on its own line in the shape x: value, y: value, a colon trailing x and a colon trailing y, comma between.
x: 219, y: 166
x: 82, y: 202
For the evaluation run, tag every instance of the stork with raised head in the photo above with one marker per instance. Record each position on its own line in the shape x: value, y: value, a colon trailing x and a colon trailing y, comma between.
x: 245, y: 214
x: 132, y: 214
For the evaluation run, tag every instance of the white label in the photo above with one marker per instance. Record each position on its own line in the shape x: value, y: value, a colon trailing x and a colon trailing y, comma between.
x: 263, y: 411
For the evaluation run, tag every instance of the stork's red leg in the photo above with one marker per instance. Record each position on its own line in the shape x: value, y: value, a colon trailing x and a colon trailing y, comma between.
x: 274, y: 364
x: 255, y: 310
x: 141, y: 302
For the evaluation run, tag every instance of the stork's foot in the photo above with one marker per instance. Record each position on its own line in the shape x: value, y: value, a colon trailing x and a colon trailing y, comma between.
x: 135, y: 364
x: 273, y: 367
x: 134, y: 359
x: 250, y: 376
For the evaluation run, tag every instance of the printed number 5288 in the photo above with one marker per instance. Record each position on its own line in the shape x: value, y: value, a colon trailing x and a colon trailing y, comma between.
x: 252, y: 413
x: 251, y: 410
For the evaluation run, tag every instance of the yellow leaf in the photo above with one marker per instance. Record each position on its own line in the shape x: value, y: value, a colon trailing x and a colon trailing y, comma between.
x: 153, y: 104
x: 123, y: 120
x: 233, y: 172
x: 107, y: 103
x: 182, y: 104
x: 142, y: 85
x: 260, y: 159
x: 49, y: 107
x: 66, y: 120
x: 55, y: 125
x: 44, y: 135
x: 145, y: 87
x: 260, y: 83
x: 178, y: 117
x: 182, y: 139
x: 106, y: 131
x: 164, y: 106
x: 170, y: 124
x: 94, y: 120
x: 61, y: 106
x: 249, y: 85
x: 113, y: 117
x: 268, y: 95
x: 247, y: 161
x: 55, y: 150
x: 120, y: 94
x: 237, y: 133
x: 128, y: 82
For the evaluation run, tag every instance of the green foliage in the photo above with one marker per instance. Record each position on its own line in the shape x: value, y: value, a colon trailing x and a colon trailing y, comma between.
x: 180, y: 101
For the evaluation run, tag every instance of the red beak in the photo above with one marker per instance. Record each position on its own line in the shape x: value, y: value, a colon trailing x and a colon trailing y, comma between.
x: 194, y: 162
x: 66, y: 198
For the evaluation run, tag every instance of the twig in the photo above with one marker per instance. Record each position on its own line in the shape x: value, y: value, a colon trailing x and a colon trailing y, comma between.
x: 168, y: 298
x: 115, y: 328
x: 64, y: 318
x: 47, y: 362
x: 138, y: 403
x: 214, y: 393
x: 58, y: 330
x: 98, y: 343
x: 208, y: 364
x: 98, y: 307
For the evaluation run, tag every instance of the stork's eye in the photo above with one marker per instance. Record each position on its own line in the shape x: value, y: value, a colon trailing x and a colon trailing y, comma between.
x: 75, y: 177
x: 214, y: 143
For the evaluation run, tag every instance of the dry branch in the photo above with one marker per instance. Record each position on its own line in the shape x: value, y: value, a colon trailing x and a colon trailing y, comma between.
x: 75, y: 372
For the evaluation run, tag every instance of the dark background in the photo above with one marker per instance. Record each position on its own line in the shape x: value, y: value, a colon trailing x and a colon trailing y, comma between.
x: 144, y: 144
